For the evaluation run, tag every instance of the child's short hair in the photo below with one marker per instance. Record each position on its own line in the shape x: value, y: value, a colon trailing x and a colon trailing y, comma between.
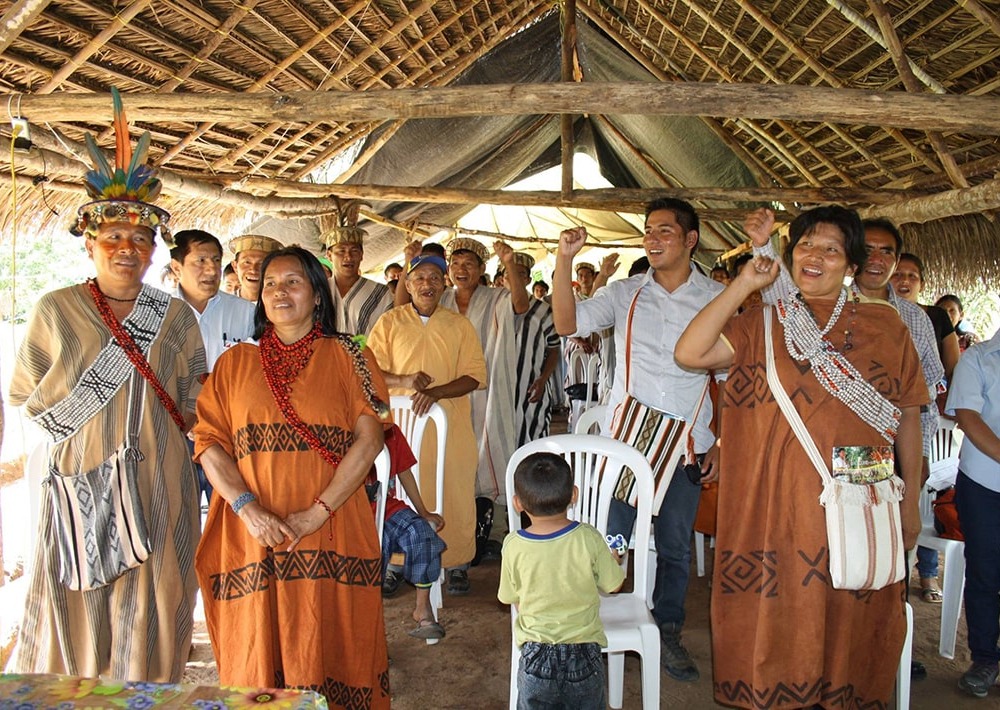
x: 544, y: 484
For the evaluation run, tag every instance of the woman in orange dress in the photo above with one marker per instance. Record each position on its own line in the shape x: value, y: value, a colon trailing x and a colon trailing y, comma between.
x: 289, y: 562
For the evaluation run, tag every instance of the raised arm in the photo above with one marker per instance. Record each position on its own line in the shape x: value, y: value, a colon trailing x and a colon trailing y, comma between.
x: 518, y: 287
x: 758, y: 225
x: 571, y: 241
x: 701, y: 346
x: 609, y: 265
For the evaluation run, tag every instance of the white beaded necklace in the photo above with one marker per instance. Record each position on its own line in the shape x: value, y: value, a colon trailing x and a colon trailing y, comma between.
x: 806, y: 342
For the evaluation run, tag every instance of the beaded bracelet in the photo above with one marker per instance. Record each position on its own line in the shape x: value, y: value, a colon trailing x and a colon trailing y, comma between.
x: 241, y: 500
x: 329, y: 512
x: 324, y: 506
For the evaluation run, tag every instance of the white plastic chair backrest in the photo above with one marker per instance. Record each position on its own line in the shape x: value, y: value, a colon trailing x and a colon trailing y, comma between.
x: 946, y: 441
x: 593, y: 417
x: 590, y: 365
x: 413, y: 428
x: 596, y: 462
x: 382, y: 476
x: 926, y: 506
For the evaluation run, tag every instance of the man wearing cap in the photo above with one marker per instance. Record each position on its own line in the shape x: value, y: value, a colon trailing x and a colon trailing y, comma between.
x: 434, y: 355
x: 249, y: 251
x: 357, y: 302
x: 224, y: 320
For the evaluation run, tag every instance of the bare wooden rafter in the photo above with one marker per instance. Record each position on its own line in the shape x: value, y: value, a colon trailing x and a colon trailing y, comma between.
x: 902, y: 64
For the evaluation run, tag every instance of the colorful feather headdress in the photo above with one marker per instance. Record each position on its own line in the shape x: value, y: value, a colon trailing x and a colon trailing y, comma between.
x: 124, y: 192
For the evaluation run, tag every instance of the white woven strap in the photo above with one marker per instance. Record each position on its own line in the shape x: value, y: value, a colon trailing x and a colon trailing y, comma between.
x: 786, y: 406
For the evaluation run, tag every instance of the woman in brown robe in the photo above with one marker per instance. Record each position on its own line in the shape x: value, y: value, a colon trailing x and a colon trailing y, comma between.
x: 783, y: 637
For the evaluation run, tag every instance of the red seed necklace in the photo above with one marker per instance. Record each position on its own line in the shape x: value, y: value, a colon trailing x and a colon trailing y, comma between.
x: 282, y: 364
x: 133, y: 352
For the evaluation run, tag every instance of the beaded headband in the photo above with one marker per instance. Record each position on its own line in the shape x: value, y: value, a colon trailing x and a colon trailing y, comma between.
x: 468, y: 244
x: 342, y: 227
x: 254, y: 242
x: 523, y: 259
x: 122, y: 193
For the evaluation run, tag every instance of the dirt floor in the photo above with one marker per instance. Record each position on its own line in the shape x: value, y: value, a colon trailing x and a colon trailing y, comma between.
x: 469, y: 668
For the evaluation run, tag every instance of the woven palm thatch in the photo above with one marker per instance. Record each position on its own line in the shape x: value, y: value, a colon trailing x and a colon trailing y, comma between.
x: 223, y: 170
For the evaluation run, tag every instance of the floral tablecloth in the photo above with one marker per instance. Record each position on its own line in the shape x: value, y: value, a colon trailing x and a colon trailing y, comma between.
x: 27, y: 692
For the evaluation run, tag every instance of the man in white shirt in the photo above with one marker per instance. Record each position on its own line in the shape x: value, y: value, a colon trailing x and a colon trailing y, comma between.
x: 672, y: 293
x: 358, y: 302
x: 224, y: 320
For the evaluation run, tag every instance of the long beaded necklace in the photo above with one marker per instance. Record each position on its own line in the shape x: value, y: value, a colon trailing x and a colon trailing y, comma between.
x: 805, y: 341
x: 282, y: 365
x: 132, y: 351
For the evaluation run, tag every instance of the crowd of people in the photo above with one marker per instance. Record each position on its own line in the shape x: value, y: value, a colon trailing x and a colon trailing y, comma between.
x: 270, y: 397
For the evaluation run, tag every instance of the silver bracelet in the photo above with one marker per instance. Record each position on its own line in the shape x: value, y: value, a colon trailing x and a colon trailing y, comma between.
x: 241, y: 500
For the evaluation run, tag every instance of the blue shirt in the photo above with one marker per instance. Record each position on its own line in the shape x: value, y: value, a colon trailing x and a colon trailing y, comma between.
x: 975, y: 386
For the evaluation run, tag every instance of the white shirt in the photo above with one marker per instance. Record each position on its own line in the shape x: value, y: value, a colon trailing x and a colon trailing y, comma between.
x: 975, y: 385
x: 660, y: 317
x: 226, y: 320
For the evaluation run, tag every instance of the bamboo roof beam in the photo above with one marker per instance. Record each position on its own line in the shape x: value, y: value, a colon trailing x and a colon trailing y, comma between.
x: 856, y: 19
x: 528, y: 13
x: 979, y: 199
x: 331, y: 80
x: 761, y: 171
x: 912, y: 85
x: 277, y: 69
x: 118, y: 22
x: 19, y: 15
x: 792, y: 132
x: 598, y: 199
x: 215, y: 39
x: 981, y: 13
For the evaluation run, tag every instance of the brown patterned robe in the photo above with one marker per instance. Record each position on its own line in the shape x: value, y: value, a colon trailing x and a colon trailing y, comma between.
x: 311, y: 618
x: 139, y: 627
x: 782, y: 636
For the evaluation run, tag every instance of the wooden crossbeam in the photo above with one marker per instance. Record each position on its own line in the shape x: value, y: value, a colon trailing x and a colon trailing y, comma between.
x: 964, y: 114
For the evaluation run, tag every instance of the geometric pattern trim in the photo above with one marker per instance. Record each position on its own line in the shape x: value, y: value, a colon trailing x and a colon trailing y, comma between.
x: 795, y: 695
x: 295, y: 566
x: 282, y: 437
x: 339, y: 694
x: 755, y: 573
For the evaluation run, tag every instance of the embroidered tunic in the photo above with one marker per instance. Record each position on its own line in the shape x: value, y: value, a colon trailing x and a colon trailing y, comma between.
x: 139, y: 627
x: 782, y: 636
x: 310, y: 618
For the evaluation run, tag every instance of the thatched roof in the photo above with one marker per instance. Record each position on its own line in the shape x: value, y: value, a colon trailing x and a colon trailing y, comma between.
x: 644, y: 96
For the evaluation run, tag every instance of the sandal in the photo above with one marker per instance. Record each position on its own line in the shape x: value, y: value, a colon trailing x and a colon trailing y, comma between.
x: 931, y: 595
x: 427, y: 629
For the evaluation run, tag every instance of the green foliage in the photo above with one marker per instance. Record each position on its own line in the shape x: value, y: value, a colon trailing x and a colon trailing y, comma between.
x: 42, y: 264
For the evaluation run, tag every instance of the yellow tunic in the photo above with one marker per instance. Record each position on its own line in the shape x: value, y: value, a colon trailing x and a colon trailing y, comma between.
x: 446, y: 348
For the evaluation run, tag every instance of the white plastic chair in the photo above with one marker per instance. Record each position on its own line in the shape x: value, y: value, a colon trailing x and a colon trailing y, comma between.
x: 628, y: 623
x: 905, y: 660
x: 589, y: 366
x: 593, y: 417
x: 944, y: 456
x: 413, y: 428
x: 382, y: 476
